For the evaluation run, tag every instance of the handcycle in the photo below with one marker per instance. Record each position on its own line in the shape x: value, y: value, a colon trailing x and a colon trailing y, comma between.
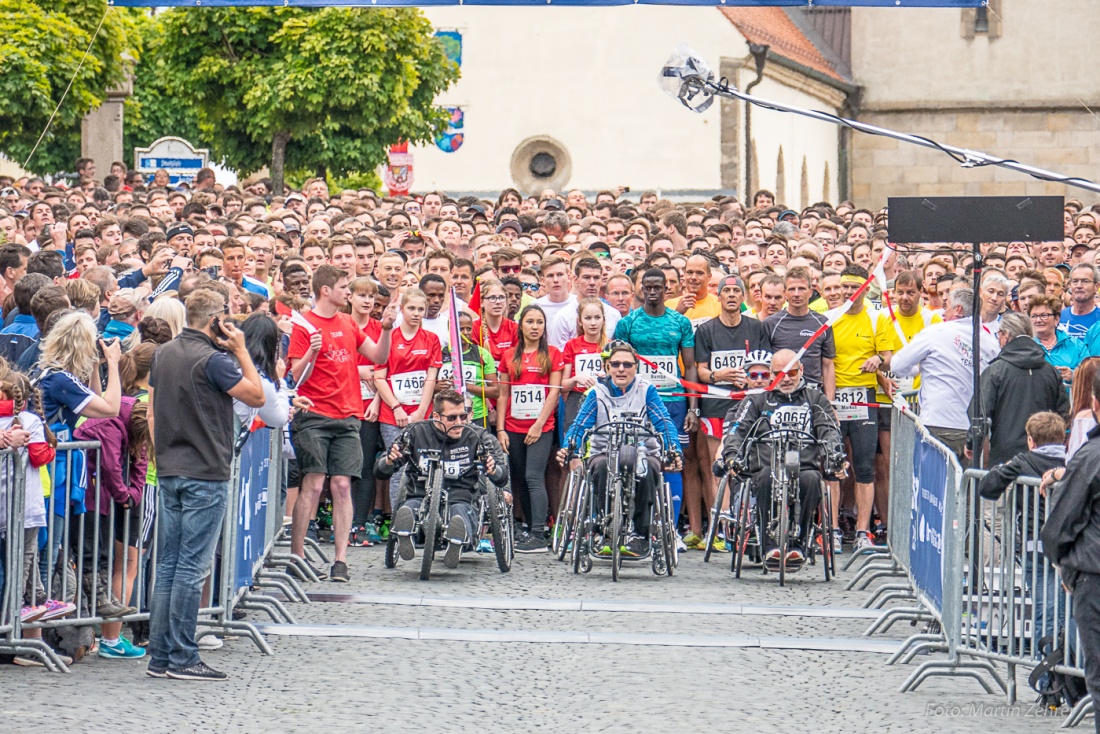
x: 492, y: 514
x: 786, y: 443
x: 606, y: 521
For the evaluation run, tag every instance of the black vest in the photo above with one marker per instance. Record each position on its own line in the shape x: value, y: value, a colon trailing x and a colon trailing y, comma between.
x: 193, y: 420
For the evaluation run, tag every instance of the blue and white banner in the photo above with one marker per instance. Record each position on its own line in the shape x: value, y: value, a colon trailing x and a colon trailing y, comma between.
x: 252, y: 516
x: 927, y: 529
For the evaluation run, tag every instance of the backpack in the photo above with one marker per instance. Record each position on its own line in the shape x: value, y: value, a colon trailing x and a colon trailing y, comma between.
x: 1055, y: 689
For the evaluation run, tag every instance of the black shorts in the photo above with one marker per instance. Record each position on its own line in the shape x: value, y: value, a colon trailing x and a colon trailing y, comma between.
x: 864, y: 437
x: 327, y: 445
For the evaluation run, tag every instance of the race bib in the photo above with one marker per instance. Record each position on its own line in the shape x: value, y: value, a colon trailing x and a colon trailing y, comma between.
x: 527, y: 401
x: 696, y: 323
x: 795, y: 417
x: 366, y: 389
x: 667, y: 364
x: 408, y: 387
x: 727, y: 358
x: 469, y: 372
x: 844, y: 403
x: 587, y: 365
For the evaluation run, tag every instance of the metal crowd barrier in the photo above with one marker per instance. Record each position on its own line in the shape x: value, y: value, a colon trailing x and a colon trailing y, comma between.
x: 78, y: 561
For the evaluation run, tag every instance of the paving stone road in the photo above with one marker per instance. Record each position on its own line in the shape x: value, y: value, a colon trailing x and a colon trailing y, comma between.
x: 330, y: 678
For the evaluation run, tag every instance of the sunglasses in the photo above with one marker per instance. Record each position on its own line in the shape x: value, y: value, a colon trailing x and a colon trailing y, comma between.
x: 455, y: 418
x: 765, y: 375
x: 510, y: 269
x: 622, y: 365
x: 794, y: 372
x: 529, y: 286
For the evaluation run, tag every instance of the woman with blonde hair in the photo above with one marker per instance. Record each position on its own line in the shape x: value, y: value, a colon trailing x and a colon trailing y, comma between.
x: 170, y: 310
x: 70, y: 381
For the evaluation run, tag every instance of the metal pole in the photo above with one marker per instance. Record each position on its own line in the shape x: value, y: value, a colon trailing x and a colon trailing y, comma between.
x: 760, y: 56
x: 977, y: 415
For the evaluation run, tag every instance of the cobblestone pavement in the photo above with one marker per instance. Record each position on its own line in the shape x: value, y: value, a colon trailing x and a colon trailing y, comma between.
x: 366, y: 683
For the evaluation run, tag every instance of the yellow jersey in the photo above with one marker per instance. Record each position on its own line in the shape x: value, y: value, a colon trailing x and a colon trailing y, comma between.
x: 887, y: 340
x: 855, y: 344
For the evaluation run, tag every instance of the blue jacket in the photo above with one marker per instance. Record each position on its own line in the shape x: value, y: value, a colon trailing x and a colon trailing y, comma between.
x: 1069, y: 352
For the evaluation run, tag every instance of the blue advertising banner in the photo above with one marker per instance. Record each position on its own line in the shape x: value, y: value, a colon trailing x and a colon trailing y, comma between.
x: 927, y: 521
x: 544, y: 3
x: 255, y: 463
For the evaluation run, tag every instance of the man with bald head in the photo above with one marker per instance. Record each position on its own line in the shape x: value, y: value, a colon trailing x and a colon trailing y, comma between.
x: 792, y: 404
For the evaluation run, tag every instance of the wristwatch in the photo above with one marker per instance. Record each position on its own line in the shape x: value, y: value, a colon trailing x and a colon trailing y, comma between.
x: 694, y: 411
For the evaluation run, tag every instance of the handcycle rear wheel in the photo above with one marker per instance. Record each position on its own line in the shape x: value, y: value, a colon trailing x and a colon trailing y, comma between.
x: 390, y: 560
x: 500, y: 525
x: 567, y: 518
x: 742, y: 527
x: 616, y: 527
x: 431, y: 525
x: 784, y: 529
x: 581, y: 530
x: 715, y: 513
x: 668, y: 543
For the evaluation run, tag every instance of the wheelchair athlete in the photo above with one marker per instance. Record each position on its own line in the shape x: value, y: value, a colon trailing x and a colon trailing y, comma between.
x: 463, y: 447
x: 751, y: 419
x: 622, y: 396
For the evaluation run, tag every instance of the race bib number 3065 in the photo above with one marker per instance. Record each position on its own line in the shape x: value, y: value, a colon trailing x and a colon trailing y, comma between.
x: 667, y: 365
x: 408, y: 387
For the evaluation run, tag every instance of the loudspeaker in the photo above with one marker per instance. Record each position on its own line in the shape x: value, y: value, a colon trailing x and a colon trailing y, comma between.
x: 973, y: 219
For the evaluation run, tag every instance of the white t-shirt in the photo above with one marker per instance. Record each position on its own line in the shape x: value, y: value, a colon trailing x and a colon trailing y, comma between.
x: 564, y: 326
x: 941, y: 355
x: 552, y: 309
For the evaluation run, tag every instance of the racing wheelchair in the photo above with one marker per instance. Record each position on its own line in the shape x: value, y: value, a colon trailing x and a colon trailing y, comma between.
x: 595, y: 523
x: 786, y: 437
x: 492, y: 514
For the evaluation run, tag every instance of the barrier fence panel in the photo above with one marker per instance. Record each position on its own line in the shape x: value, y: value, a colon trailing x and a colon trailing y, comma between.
x: 97, y: 557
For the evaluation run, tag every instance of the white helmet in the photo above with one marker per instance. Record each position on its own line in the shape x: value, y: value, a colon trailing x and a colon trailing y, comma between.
x: 759, y: 356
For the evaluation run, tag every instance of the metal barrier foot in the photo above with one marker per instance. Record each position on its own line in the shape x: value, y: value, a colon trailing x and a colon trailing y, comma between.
x: 875, y: 555
x: 245, y: 629
x: 37, y: 649
x: 878, y: 565
x: 297, y: 566
x: 909, y: 642
x: 923, y: 649
x: 284, y: 583
x: 880, y: 574
x: 887, y: 619
x: 1083, y: 708
x: 268, y: 604
x: 874, y: 602
x: 952, y: 668
x: 313, y: 545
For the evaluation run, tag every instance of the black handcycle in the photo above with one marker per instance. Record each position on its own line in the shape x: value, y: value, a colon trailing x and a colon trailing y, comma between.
x: 601, y: 525
x: 492, y: 513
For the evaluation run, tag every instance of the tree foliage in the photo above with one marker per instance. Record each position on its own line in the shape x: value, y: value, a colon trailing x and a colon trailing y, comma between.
x: 42, y: 43
x: 304, y: 89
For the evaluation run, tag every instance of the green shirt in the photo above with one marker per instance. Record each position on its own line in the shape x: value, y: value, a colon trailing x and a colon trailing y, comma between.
x: 658, y: 336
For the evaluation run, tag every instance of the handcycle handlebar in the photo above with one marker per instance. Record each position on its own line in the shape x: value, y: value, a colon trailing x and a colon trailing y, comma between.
x: 619, y: 429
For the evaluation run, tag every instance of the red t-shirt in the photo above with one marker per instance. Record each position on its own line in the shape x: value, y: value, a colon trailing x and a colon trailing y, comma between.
x: 407, y: 369
x: 333, y: 386
x: 372, y: 329
x: 497, y: 342
x: 528, y: 400
x: 578, y: 346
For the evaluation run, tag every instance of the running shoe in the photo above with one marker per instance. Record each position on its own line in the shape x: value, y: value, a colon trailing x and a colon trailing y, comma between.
x: 864, y: 544
x: 404, y: 523
x: 456, y: 539
x: 532, y: 543
x: 32, y: 613
x: 57, y: 609
x: 838, y: 542
x: 719, y: 545
x: 635, y: 546
x: 795, y: 556
x: 485, y: 546
x: 198, y: 671
x: 339, y: 573
x: 694, y: 542
x: 772, y: 555
x: 121, y: 650
x: 210, y: 642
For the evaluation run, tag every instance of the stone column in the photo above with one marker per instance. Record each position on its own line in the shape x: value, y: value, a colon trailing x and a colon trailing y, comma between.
x: 101, y: 130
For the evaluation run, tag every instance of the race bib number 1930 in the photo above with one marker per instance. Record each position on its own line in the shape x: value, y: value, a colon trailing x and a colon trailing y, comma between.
x: 664, y: 378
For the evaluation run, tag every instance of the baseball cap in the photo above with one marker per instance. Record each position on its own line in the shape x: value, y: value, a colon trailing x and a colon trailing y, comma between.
x: 732, y: 280
x: 788, y: 213
x: 510, y: 224
x: 552, y: 204
x: 295, y: 197
x: 476, y: 210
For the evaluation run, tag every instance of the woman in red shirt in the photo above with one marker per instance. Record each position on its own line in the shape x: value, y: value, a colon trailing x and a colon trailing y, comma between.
x: 495, y: 332
x: 363, y: 533
x: 530, y: 383
x: 406, y: 383
x: 581, y: 356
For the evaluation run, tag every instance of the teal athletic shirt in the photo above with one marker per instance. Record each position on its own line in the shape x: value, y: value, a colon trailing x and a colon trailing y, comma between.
x: 658, y: 336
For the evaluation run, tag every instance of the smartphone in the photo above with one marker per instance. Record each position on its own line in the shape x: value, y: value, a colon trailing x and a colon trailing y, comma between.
x: 217, y: 330
x: 213, y: 271
x: 99, y: 345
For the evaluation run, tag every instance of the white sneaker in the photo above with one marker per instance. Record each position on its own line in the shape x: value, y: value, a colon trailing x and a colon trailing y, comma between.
x: 680, y: 546
x: 864, y: 544
x: 838, y: 542
x: 210, y: 642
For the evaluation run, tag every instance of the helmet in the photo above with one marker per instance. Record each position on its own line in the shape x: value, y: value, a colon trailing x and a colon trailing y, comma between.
x: 759, y: 356
x: 617, y: 345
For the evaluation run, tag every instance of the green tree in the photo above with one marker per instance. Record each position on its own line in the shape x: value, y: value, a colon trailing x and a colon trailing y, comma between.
x: 42, y: 43
x: 306, y: 89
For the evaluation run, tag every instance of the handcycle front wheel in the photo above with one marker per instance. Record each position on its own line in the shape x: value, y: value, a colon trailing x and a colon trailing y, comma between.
x: 715, y: 513
x: 616, y: 527
x: 431, y: 525
x: 665, y: 530
x: 390, y: 559
x: 742, y: 527
x: 567, y: 517
x: 784, y: 530
x: 500, y: 525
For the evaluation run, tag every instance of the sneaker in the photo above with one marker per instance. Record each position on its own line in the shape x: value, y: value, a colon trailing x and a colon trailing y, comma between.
x: 864, y: 544
x: 456, y: 539
x: 210, y: 642
x: 57, y: 609
x: 772, y: 555
x: 29, y: 662
x: 155, y: 672
x: 795, y: 556
x: 694, y: 542
x: 339, y: 573
x: 532, y: 543
x: 32, y: 613
x: 681, y: 547
x: 198, y: 671
x: 635, y: 546
x: 321, y: 573
x: 312, y: 530
x: 719, y: 545
x: 139, y: 632
x: 373, y: 535
x: 485, y: 546
x: 384, y: 528
x: 838, y: 542
x: 121, y: 650
x: 404, y: 523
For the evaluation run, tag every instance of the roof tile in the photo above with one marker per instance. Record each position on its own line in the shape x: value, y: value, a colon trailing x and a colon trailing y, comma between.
x: 773, y: 27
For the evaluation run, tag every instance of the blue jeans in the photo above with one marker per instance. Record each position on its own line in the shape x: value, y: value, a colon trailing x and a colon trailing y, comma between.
x: 190, y: 521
